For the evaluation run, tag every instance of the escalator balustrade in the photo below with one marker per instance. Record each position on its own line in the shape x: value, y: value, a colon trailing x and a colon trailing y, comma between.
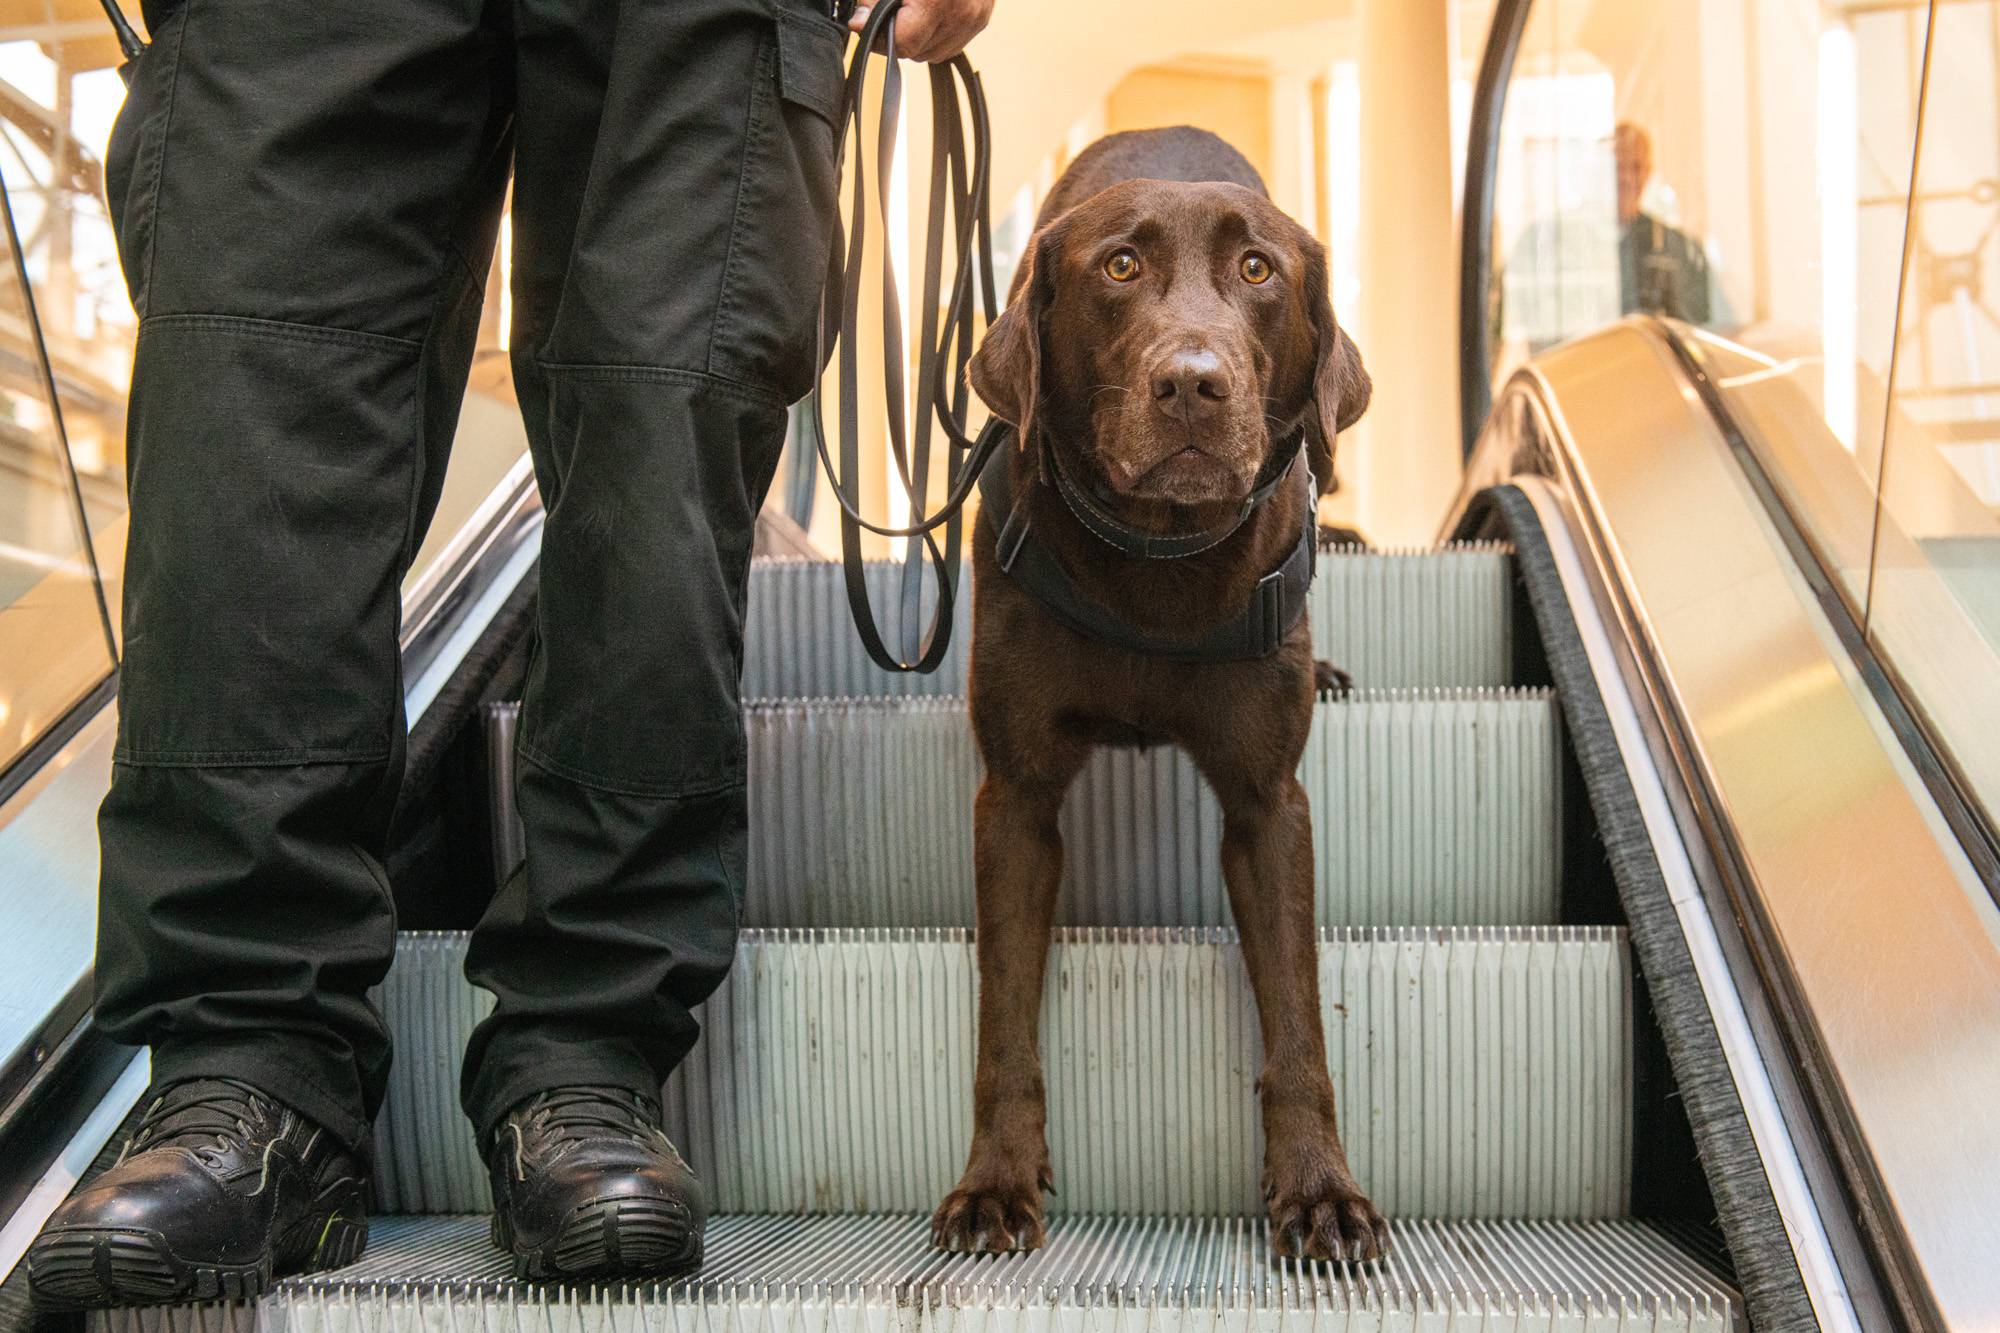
x: 1484, y: 1044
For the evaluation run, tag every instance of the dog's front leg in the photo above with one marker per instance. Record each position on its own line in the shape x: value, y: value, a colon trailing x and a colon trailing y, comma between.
x: 1017, y: 853
x: 1317, y: 1210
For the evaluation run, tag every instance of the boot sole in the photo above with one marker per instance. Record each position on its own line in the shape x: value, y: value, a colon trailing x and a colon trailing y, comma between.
x: 617, y: 1237
x: 96, y: 1268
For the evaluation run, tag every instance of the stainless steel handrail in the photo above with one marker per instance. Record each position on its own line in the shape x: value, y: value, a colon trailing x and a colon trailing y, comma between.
x: 1475, y: 241
x: 1865, y: 928
x: 449, y: 603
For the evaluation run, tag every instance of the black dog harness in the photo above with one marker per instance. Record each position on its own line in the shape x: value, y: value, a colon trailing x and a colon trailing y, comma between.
x: 1255, y: 631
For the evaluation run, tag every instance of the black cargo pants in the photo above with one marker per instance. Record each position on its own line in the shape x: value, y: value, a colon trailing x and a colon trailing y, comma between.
x: 306, y: 198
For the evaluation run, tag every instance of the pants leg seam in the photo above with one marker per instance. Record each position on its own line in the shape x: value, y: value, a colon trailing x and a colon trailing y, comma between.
x: 247, y: 758
x: 277, y: 330
x: 613, y: 372
x: 655, y: 791
x: 451, y: 258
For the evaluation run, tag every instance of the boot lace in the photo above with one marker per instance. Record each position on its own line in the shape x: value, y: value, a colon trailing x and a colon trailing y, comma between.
x: 209, y: 1116
x: 562, y: 1118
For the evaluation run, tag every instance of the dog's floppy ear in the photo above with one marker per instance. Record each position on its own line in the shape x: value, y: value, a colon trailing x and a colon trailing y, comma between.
x: 1340, y: 382
x: 1006, y: 371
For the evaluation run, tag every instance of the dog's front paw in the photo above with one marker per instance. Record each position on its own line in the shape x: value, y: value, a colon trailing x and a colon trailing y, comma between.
x: 1322, y: 1214
x: 1330, y: 680
x: 991, y: 1216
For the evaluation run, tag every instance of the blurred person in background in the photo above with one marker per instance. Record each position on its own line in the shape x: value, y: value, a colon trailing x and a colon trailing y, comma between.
x: 1661, y: 269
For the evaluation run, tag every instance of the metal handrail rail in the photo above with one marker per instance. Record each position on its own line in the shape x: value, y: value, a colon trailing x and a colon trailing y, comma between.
x: 1482, y: 172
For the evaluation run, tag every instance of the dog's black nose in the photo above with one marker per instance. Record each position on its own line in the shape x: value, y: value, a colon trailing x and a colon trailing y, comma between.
x: 1190, y: 384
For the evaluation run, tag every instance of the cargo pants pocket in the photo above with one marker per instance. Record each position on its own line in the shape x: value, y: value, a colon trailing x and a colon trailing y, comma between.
x: 786, y: 208
x: 136, y: 153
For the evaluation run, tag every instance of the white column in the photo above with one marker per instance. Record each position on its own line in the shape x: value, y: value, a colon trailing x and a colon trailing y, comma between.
x: 1293, y: 175
x: 1402, y: 463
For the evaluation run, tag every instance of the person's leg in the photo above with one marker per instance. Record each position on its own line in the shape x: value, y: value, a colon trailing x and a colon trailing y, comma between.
x: 305, y: 203
x: 670, y: 233
x: 673, y: 206
x: 305, y: 198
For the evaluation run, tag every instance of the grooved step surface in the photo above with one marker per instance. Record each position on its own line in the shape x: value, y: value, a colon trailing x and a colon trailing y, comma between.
x: 1392, y: 620
x: 1481, y: 1072
x: 1096, y: 1275
x: 1428, y: 809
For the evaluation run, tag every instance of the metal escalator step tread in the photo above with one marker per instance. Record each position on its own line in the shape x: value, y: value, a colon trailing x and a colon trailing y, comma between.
x: 1481, y: 1072
x: 1429, y: 808
x: 1392, y: 619
x: 1096, y: 1275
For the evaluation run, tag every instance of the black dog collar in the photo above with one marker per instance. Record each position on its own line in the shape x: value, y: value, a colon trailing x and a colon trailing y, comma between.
x: 1143, y: 545
x: 1255, y: 631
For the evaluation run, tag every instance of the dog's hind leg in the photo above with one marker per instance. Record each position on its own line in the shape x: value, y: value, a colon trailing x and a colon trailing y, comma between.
x: 1317, y: 1209
x: 1017, y: 852
x: 1329, y: 681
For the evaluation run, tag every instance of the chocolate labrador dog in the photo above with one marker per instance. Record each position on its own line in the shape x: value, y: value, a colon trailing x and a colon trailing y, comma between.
x: 1168, y: 340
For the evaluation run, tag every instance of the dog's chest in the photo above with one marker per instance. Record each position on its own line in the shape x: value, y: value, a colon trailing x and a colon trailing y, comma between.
x: 1121, y: 730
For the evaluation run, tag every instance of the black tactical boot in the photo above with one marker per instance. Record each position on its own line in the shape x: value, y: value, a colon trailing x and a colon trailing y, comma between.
x: 219, y: 1190
x: 586, y: 1185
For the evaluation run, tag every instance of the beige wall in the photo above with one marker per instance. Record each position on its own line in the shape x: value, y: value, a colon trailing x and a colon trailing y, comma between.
x: 1233, y: 99
x: 1261, y: 79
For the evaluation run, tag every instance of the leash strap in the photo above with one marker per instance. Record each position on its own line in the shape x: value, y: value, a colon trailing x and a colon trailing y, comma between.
x: 1255, y: 631
x: 958, y: 201
x: 128, y: 39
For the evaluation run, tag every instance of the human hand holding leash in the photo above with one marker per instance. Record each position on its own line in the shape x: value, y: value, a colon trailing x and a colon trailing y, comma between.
x: 933, y: 30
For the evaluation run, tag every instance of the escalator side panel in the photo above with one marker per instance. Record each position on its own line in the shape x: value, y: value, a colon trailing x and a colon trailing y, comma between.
x: 1748, y: 1212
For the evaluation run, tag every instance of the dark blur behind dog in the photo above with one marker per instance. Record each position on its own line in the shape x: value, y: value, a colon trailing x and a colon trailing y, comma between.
x: 1168, y: 327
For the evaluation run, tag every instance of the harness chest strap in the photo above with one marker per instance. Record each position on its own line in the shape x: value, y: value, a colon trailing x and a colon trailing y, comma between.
x: 1255, y: 631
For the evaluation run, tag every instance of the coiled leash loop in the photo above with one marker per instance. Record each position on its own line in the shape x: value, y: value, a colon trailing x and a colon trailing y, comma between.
x: 958, y: 196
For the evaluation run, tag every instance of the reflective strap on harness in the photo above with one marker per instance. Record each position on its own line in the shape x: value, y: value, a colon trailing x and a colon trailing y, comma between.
x: 1257, y: 629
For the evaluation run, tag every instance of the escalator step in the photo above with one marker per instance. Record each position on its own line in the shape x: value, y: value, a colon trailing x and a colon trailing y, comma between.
x: 1095, y: 1275
x: 1482, y: 1072
x: 1393, y: 620
x: 1430, y: 809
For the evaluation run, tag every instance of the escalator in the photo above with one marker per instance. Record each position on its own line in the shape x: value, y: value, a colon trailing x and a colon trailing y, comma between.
x: 1498, y: 944
x: 1570, y: 1071
x: 1488, y: 1031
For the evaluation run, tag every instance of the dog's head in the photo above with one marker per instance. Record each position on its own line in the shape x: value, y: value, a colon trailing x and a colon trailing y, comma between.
x: 1165, y: 336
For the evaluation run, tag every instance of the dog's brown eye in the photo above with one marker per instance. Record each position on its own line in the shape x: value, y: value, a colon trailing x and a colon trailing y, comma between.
x: 1123, y: 266
x: 1256, y: 269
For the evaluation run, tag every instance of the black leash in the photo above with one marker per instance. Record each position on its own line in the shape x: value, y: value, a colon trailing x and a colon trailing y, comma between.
x: 958, y: 199
x: 129, y: 40
x: 959, y: 193
x: 959, y: 184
